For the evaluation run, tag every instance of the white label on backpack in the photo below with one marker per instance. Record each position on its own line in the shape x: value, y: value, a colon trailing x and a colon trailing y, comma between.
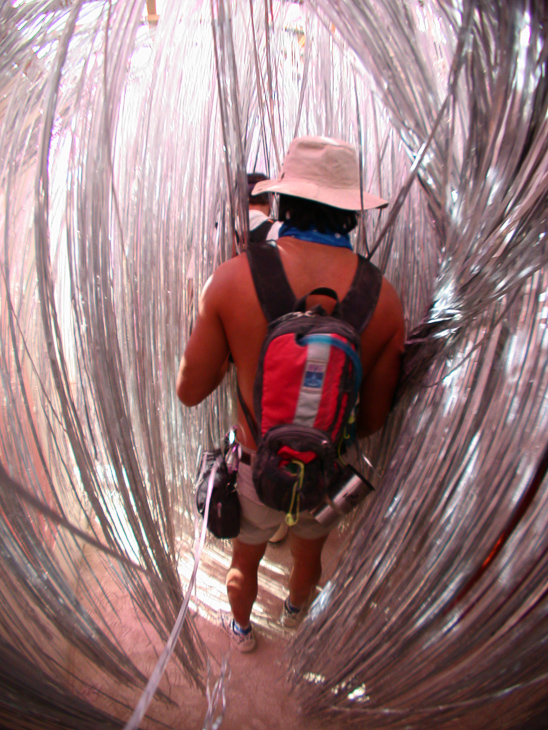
x: 312, y: 384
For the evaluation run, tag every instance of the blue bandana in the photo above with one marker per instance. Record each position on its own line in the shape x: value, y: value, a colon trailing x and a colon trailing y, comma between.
x: 340, y: 240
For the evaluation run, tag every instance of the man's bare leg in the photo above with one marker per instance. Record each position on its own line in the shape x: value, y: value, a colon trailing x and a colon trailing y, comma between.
x: 241, y: 579
x: 307, y: 568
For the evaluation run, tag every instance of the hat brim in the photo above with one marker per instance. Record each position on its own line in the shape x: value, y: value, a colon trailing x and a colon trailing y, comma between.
x: 336, y: 197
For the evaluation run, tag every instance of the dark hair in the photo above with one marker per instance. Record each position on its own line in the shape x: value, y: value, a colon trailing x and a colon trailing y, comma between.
x: 305, y: 214
x: 252, y: 179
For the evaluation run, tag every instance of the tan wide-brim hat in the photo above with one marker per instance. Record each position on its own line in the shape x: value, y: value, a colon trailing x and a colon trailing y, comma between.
x: 322, y: 169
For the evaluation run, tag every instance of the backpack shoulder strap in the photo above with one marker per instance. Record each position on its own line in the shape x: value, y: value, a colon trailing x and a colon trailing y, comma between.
x: 273, y: 290
x: 360, y: 301
x: 277, y: 298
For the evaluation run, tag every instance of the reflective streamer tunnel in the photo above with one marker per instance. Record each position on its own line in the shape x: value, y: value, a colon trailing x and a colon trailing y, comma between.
x: 126, y: 132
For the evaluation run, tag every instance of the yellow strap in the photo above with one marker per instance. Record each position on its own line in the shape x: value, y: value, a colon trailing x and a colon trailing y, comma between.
x: 289, y: 519
x: 345, y: 435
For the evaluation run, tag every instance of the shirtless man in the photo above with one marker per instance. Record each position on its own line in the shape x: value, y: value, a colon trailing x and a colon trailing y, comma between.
x: 230, y: 321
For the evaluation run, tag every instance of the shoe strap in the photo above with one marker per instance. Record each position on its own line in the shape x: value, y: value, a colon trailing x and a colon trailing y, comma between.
x: 239, y: 630
x: 290, y: 608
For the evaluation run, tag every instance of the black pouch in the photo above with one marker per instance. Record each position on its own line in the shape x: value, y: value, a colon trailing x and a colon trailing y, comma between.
x: 224, y: 507
x: 293, y: 483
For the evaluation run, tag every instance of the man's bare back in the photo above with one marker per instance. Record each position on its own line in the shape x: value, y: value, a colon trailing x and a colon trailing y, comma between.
x: 319, y: 196
x: 230, y: 321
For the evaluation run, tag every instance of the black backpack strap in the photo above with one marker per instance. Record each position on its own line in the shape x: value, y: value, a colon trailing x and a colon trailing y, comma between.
x: 361, y: 299
x: 300, y: 305
x: 248, y: 416
x: 275, y: 295
x: 277, y: 298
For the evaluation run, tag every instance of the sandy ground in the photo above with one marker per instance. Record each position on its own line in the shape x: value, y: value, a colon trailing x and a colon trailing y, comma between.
x: 257, y: 695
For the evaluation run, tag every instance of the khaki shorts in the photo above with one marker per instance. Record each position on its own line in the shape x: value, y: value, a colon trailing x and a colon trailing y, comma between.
x: 258, y: 523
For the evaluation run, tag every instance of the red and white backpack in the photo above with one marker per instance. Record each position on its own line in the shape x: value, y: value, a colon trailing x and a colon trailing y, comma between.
x: 307, y: 383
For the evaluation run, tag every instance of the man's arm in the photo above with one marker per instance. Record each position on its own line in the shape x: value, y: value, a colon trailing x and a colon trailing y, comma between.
x: 379, y: 383
x: 205, y: 360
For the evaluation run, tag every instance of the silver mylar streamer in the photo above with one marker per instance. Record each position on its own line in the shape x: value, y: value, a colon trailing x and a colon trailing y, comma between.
x: 122, y: 159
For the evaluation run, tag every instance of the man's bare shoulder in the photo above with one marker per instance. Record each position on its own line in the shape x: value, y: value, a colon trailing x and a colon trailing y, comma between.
x: 228, y: 279
x: 389, y: 301
x: 234, y: 264
x: 388, y: 320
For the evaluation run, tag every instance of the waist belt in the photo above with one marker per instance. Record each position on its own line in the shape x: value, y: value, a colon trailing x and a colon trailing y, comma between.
x: 246, y: 457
